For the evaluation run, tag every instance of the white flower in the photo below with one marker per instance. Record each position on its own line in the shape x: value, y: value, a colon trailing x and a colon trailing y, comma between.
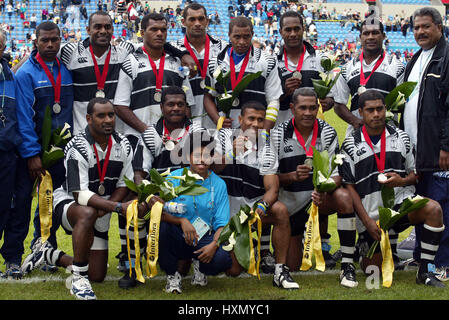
x: 393, y: 213
x: 146, y: 182
x: 166, y: 173
x: 170, y: 188
x: 382, y: 178
x: 194, y: 175
x: 243, y: 216
x: 389, y: 115
x: 66, y: 127
x: 183, y: 178
x: 415, y: 199
x: 185, y: 88
x: 339, y: 159
x: 216, y: 73
x: 321, y: 178
x: 54, y: 148
x: 231, y: 243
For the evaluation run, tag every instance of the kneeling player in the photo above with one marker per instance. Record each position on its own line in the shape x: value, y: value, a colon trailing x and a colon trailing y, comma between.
x: 375, y: 148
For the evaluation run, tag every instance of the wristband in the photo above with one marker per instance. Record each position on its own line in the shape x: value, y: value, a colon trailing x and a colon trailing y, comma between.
x: 265, y: 134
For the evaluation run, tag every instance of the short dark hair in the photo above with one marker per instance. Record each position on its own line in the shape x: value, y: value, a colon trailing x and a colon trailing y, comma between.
x: 291, y: 14
x: 305, y: 92
x: 151, y: 16
x: 256, y: 105
x: 431, y: 12
x: 198, y: 139
x: 94, y: 101
x: 241, y: 22
x: 172, y: 90
x: 194, y: 6
x: 369, y: 95
x: 372, y: 22
x: 47, y: 26
x: 98, y: 13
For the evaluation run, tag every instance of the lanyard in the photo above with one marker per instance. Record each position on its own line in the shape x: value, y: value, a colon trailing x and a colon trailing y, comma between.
x: 300, y: 62
x: 158, y: 73
x: 309, y: 153
x: 182, y: 134
x: 363, y: 80
x: 235, y: 81
x: 380, y: 162
x: 56, y: 85
x: 101, y: 78
x: 203, y: 69
x: 102, y: 171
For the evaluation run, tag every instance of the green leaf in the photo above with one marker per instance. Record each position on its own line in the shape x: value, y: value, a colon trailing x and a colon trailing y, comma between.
x: 384, y: 217
x: 130, y: 184
x: 156, y: 177
x: 406, y: 88
x: 387, y: 196
x: 372, y: 249
x: 242, y: 247
x: 320, y: 88
x: 246, y: 80
x: 50, y: 158
x: 46, y: 129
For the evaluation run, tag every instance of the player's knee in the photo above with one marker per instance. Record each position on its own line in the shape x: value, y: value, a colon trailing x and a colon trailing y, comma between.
x: 434, y: 212
x: 343, y: 200
x: 280, y: 213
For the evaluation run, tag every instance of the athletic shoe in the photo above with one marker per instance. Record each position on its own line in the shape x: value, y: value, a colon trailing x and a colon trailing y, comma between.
x: 337, y: 255
x: 121, y: 266
x: 284, y: 280
x: 127, y: 282
x: 82, y: 289
x: 198, y: 278
x: 174, y: 283
x: 35, y: 259
x: 12, y: 271
x: 267, y: 262
x: 347, y: 276
x: 428, y: 279
x: 442, y: 273
x: 329, y: 260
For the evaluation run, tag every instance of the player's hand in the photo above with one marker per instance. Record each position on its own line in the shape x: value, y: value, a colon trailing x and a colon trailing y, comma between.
x: 327, y: 103
x: 318, y: 198
x: 302, y: 172
x: 190, y: 235
x: 356, y: 123
x: 227, y: 123
x: 35, y: 168
x: 373, y: 229
x: 188, y: 61
x: 291, y: 84
x: 394, y: 180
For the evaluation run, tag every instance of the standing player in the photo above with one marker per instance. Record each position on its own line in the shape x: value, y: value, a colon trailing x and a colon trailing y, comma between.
x: 203, y: 48
x: 242, y: 58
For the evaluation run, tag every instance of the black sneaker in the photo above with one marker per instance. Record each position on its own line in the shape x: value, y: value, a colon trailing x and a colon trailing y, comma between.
x: 12, y: 271
x: 127, y: 282
x: 284, y: 280
x: 429, y: 279
x: 329, y: 260
x: 337, y: 255
x: 267, y: 262
x: 347, y: 276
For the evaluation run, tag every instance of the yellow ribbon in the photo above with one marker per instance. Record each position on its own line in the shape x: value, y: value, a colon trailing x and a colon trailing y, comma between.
x: 45, y: 198
x: 387, y: 259
x: 312, y: 242
x: 132, y: 215
x: 253, y: 266
x: 220, y: 122
x: 320, y: 114
x: 153, y: 238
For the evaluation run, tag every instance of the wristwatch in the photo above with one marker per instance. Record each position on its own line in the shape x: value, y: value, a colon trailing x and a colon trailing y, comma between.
x: 118, y: 207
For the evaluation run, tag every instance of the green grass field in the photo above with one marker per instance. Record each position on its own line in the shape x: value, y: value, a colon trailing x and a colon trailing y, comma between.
x: 314, y: 285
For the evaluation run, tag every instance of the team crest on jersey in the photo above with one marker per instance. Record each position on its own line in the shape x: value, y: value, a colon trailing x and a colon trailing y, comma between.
x: 82, y: 60
x: 141, y: 65
x: 361, y: 151
x: 288, y: 148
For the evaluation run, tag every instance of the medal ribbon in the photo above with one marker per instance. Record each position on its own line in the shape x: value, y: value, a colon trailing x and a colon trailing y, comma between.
x: 102, y: 171
x: 235, y: 81
x: 363, y: 80
x: 158, y: 73
x: 380, y: 162
x: 167, y: 133
x: 309, y: 153
x: 101, y: 78
x: 56, y: 85
x: 203, y: 69
x: 300, y: 62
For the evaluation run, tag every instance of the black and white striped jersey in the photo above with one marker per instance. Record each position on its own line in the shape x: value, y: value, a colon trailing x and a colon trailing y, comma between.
x: 216, y: 45
x: 291, y: 154
x: 82, y: 170
x: 137, y: 86
x: 244, y: 176
x: 388, y: 75
x: 151, y: 152
x: 77, y: 58
x: 360, y: 168
x: 263, y: 89
x: 311, y: 69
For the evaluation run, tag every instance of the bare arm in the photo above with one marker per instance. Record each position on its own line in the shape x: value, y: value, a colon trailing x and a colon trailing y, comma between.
x: 128, y: 116
x: 344, y: 113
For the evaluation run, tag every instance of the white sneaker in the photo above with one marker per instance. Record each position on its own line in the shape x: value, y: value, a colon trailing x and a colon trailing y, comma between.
x: 198, y: 278
x: 442, y: 273
x: 174, y: 283
x: 82, y: 289
x: 36, y: 258
x: 284, y: 280
x: 347, y: 276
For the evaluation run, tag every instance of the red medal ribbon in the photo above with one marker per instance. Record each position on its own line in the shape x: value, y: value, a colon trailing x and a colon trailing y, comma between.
x: 167, y: 133
x: 102, y: 171
x: 309, y: 153
x: 380, y: 162
x: 101, y: 78
x: 235, y: 81
x: 300, y: 62
x: 158, y: 73
x: 56, y: 85
x: 363, y: 80
x: 203, y: 69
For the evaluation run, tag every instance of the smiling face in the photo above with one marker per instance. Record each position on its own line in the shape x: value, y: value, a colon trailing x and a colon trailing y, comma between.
x: 426, y: 32
x: 102, y: 120
x: 305, y: 110
x: 100, y: 30
x: 174, y: 109
x: 372, y: 38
